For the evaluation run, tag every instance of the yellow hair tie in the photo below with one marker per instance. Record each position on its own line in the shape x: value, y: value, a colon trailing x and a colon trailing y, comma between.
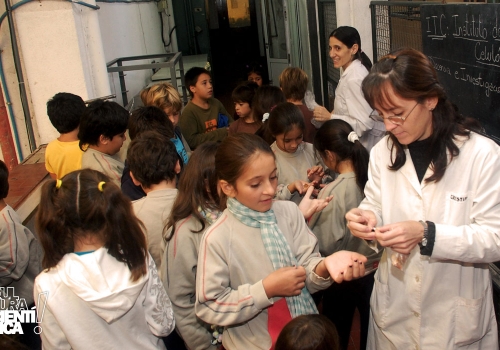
x: 58, y: 183
x: 85, y: 147
x: 99, y: 186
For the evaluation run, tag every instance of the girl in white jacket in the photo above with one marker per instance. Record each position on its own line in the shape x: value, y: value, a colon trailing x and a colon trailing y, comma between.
x: 433, y: 197
x: 100, y: 289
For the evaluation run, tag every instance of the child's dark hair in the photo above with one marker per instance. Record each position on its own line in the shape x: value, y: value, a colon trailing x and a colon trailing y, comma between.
x: 245, y: 92
x: 4, y: 180
x: 64, y: 111
x: 234, y: 154
x: 350, y: 36
x: 150, y: 118
x: 266, y: 98
x: 79, y: 206
x: 197, y: 188
x: 333, y: 137
x: 284, y: 117
x: 259, y: 69
x: 308, y: 332
x: 102, y: 118
x: 192, y: 75
x: 293, y: 83
x: 152, y: 158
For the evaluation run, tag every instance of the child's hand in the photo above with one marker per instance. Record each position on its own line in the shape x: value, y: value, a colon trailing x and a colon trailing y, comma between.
x: 316, y: 173
x: 345, y: 265
x: 308, y: 206
x: 285, y: 282
x: 298, y: 186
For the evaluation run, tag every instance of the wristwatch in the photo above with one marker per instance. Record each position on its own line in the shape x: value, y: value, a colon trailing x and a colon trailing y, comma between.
x: 423, y: 243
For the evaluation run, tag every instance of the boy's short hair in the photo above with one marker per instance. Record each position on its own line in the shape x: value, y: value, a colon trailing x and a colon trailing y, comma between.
x: 64, y: 111
x: 293, y: 82
x: 245, y: 92
x: 4, y: 180
x: 150, y: 118
x: 102, y: 118
x: 163, y: 96
x: 192, y: 75
x: 152, y: 158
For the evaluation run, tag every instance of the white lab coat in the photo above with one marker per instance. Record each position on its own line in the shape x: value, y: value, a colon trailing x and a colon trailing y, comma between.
x: 350, y: 105
x: 443, y: 301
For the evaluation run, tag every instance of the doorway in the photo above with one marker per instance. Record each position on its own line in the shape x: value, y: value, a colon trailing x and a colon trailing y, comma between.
x: 234, y: 43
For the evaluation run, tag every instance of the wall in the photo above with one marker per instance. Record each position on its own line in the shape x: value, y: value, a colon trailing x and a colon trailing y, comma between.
x: 132, y: 29
x: 356, y: 13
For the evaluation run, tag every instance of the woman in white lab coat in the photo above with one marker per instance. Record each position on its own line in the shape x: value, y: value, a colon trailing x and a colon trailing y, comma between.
x: 350, y: 105
x: 433, y: 197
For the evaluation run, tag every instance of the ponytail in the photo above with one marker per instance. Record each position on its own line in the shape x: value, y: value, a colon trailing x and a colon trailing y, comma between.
x: 84, y: 203
x: 337, y: 136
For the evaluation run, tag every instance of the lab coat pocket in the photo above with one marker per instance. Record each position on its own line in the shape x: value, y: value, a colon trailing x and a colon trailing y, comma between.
x: 457, y: 208
x: 379, y: 302
x: 472, y: 319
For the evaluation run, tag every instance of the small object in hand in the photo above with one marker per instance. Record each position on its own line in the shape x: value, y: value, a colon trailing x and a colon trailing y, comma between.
x: 398, y: 260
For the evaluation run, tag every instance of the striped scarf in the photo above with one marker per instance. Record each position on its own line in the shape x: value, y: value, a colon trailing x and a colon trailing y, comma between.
x: 277, y: 249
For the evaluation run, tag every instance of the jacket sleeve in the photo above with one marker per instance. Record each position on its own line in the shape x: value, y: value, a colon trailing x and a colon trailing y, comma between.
x: 216, y: 301
x: 157, y: 305
x: 305, y: 248
x: 373, y: 190
x: 14, y: 249
x: 478, y: 240
x: 181, y: 288
x: 190, y: 129
x: 358, y: 109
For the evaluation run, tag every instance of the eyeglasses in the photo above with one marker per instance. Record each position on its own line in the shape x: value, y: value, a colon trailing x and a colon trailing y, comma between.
x: 394, y: 119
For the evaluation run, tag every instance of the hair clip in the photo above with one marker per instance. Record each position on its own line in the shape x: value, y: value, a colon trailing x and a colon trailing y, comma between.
x: 99, y: 186
x: 353, y: 137
x: 265, y: 117
x: 58, y: 183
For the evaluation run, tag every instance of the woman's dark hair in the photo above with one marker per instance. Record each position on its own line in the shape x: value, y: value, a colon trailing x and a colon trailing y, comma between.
x: 409, y: 74
x: 350, y: 36
x: 79, y: 209
x: 197, y: 188
x: 333, y: 137
x: 308, y: 332
x: 234, y: 154
x: 266, y: 98
x: 284, y: 117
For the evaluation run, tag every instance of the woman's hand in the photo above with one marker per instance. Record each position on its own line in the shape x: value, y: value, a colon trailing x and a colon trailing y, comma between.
x: 361, y: 222
x: 342, y: 266
x: 308, y: 206
x: 285, y: 282
x: 321, y: 114
x: 315, y: 173
x: 401, y: 237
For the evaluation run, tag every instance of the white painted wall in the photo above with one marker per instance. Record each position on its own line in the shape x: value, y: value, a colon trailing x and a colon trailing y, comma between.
x: 62, y: 51
x: 132, y: 29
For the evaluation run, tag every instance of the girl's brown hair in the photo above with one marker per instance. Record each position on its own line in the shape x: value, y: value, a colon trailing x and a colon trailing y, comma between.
x: 79, y: 209
x: 411, y: 75
x: 235, y: 152
x: 197, y: 189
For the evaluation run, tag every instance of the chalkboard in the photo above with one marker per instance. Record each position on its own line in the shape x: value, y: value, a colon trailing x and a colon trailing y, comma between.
x: 463, y: 42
